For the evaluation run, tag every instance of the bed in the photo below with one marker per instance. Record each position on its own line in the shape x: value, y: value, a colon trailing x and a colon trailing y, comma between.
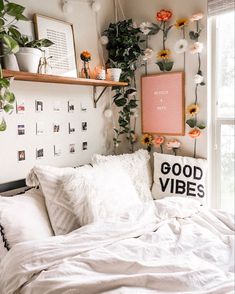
x: 168, y: 245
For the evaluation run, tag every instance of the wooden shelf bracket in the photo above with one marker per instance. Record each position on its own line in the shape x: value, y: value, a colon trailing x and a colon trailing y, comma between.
x: 95, y: 97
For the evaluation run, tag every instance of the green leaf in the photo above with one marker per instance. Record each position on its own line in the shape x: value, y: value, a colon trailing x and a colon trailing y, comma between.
x: 15, y: 33
x: 40, y: 43
x: 133, y: 103
x: 168, y: 65
x: 4, y: 83
x: 120, y: 102
x: 14, y: 9
x: 3, y: 125
x: 2, y: 22
x: 193, y: 35
x: 11, y: 43
x: 9, y: 97
x: 1, y: 5
x: 191, y: 122
x: 201, y: 126
x: 161, y: 65
x: 8, y: 108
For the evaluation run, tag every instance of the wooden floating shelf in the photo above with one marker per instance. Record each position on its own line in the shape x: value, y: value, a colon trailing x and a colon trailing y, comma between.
x: 42, y: 78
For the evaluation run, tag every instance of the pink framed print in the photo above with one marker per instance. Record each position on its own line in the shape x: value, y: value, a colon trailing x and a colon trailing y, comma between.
x: 163, y: 104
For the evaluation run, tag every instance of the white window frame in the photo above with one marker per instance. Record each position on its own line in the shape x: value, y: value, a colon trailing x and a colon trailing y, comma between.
x: 215, y: 122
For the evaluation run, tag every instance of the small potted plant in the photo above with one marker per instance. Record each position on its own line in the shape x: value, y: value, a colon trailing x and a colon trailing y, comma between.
x: 113, y: 72
x: 30, y: 52
x: 9, y: 46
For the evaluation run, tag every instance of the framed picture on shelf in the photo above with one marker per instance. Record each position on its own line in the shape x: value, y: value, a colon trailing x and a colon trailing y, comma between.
x: 63, y: 61
x: 163, y: 104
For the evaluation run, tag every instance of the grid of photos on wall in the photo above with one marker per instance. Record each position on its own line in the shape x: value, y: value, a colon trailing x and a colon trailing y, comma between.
x: 56, y: 127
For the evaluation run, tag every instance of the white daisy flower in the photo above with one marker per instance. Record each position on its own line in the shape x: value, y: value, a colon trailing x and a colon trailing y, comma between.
x: 198, y: 79
x: 148, y: 53
x: 144, y: 27
x: 196, y: 48
x: 181, y: 46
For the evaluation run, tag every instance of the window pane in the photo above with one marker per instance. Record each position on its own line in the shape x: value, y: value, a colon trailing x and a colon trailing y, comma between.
x: 227, y: 167
x: 225, y: 64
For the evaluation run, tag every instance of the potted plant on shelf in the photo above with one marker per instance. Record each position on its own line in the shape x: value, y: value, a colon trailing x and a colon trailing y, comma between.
x: 114, y: 72
x: 30, y: 52
x: 9, y: 46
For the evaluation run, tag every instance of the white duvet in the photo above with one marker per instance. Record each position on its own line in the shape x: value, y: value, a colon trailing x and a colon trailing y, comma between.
x: 175, y: 247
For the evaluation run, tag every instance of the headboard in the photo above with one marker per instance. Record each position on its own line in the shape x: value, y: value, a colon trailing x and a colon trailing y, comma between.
x: 12, y: 187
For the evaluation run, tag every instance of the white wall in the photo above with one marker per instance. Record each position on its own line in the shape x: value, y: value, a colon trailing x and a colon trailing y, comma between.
x: 139, y: 11
x: 83, y: 20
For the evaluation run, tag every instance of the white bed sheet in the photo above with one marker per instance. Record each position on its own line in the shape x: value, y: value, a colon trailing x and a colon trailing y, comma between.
x: 179, y: 247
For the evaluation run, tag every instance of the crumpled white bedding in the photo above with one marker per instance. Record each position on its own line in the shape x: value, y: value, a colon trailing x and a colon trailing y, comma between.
x: 175, y: 247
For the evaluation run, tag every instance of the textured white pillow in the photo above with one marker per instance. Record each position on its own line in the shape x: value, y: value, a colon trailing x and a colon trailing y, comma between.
x: 137, y: 165
x: 59, y: 209
x: 105, y: 191
x: 179, y: 176
x: 23, y: 218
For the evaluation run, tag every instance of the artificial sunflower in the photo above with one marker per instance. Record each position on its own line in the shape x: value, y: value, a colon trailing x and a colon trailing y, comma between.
x: 193, y: 109
x: 181, y: 22
x: 147, y: 139
x: 164, y: 54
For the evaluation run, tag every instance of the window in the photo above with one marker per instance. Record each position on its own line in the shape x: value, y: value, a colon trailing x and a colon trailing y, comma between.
x: 223, y: 118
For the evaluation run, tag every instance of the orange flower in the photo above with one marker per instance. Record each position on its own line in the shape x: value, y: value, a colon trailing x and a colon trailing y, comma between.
x: 158, y: 141
x: 163, y: 15
x: 194, y: 133
x: 85, y: 56
x: 164, y: 54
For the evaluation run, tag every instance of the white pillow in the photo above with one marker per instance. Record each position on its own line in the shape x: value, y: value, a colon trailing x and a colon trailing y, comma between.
x: 105, y: 191
x: 179, y: 176
x: 59, y: 209
x: 137, y: 165
x: 23, y: 218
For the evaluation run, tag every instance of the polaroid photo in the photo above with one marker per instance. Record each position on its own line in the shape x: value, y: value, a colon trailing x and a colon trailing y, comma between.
x: 72, y: 148
x: 21, y: 130
x: 39, y: 128
x: 84, y: 146
x: 84, y: 126
x: 83, y: 107
x: 57, y: 106
x: 57, y: 150
x: 56, y: 128
x: 38, y: 106
x: 71, y: 106
x: 71, y: 129
x: 39, y: 153
x: 20, y: 107
x: 21, y: 155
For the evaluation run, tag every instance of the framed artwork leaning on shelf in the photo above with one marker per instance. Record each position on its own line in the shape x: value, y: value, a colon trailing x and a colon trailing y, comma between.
x: 63, y: 61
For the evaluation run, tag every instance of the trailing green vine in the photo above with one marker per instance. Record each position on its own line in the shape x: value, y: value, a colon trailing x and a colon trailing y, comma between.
x: 124, y: 50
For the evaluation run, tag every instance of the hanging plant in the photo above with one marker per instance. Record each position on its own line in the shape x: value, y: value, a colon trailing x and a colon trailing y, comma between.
x: 10, y: 46
x: 124, y: 50
x: 164, y: 56
x: 194, y: 109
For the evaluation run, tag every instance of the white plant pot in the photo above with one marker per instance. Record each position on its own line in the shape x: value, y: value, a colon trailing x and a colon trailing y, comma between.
x: 10, y: 62
x: 28, y: 59
x: 114, y: 74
